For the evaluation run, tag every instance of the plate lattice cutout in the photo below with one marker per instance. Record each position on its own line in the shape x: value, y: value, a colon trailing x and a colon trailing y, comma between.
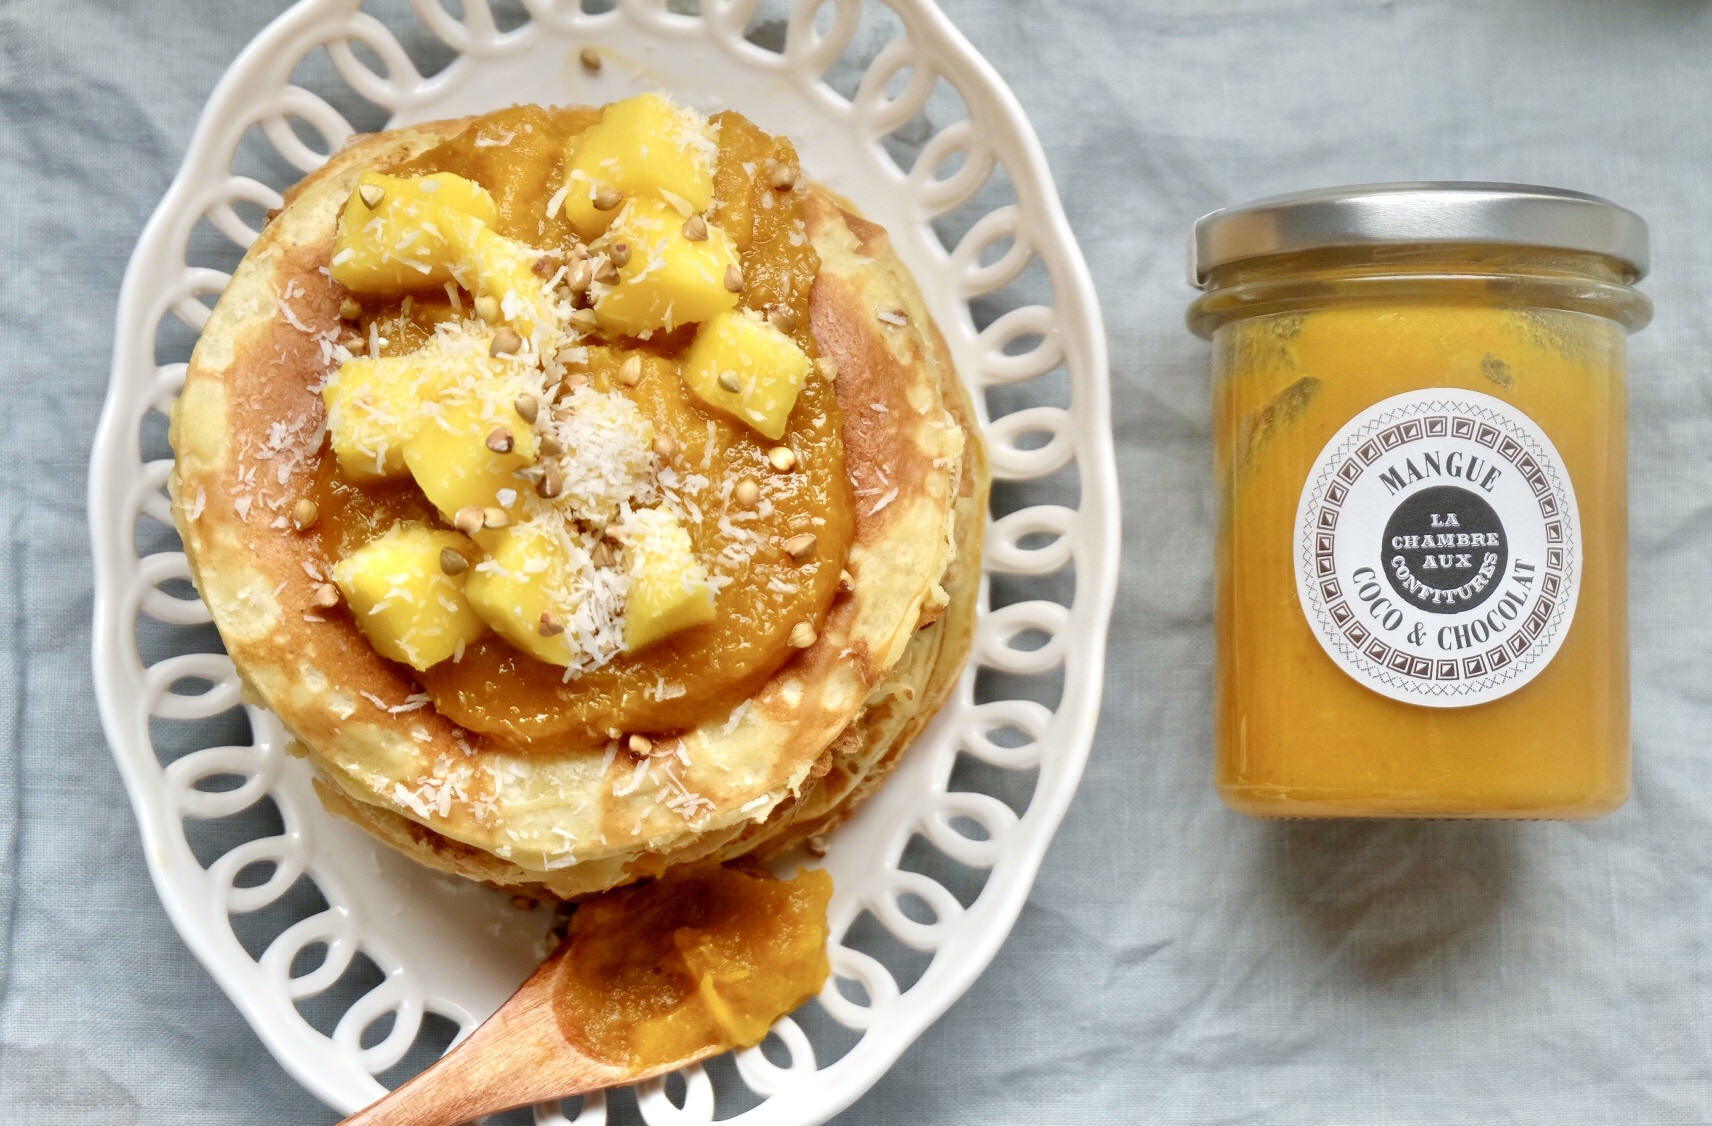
x: 355, y: 966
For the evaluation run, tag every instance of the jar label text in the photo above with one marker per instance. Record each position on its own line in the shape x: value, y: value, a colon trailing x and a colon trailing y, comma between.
x: 1438, y: 548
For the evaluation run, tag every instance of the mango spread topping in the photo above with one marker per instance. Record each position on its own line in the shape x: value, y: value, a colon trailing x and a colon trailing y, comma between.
x: 586, y: 472
x: 701, y: 958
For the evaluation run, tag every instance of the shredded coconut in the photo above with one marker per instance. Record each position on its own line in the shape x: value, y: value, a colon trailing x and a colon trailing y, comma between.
x: 637, y: 776
x: 557, y: 200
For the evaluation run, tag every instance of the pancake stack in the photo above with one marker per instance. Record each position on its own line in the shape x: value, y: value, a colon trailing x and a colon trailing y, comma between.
x: 571, y: 811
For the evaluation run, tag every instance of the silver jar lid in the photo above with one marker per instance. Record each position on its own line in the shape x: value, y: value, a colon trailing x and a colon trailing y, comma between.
x: 1431, y: 211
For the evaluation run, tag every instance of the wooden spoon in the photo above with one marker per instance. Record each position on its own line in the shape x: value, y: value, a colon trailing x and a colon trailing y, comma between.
x: 517, y: 1057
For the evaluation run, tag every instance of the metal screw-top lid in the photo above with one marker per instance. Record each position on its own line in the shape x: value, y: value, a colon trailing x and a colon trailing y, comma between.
x: 1441, y: 211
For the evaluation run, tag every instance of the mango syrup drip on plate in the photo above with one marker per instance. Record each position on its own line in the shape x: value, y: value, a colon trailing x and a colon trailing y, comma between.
x: 586, y: 478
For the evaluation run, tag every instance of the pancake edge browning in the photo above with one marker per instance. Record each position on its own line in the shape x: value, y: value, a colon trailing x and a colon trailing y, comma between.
x: 788, y: 763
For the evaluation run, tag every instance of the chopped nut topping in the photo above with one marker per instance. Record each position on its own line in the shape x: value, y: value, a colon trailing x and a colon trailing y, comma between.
x: 453, y: 561
x: 606, y: 198
x: 604, y: 271
x: 602, y: 555
x: 545, y: 266
x: 747, y: 493
x: 584, y: 321
x: 468, y: 520
x: 803, y: 635
x: 487, y: 308
x: 549, y: 626
x: 733, y: 279
x: 579, y: 276
x: 325, y: 596
x: 350, y: 310
x: 728, y: 381
x: 800, y: 547
x: 665, y: 445
x: 846, y: 582
x: 639, y: 744
x: 505, y: 342
x: 528, y: 407
x: 371, y: 195
x: 782, y: 176
x: 551, y: 446
x: 695, y: 228
x: 495, y: 518
x: 619, y: 253
x: 782, y: 458
x: 304, y: 514
x: 552, y: 480
x: 630, y: 371
x: 500, y: 440
x: 782, y: 317
x: 590, y: 58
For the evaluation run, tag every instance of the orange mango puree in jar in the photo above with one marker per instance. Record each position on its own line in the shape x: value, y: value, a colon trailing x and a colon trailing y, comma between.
x: 1420, y: 444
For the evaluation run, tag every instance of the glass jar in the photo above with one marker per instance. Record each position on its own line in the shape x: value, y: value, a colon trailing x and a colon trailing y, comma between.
x: 1419, y: 427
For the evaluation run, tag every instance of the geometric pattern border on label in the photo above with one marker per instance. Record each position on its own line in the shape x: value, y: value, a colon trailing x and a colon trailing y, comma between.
x: 1481, y: 673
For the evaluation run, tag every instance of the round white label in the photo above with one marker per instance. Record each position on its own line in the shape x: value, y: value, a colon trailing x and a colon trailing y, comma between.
x: 1438, y: 548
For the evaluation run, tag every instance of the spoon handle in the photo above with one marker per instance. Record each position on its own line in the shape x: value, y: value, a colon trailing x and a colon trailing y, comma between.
x: 517, y: 1057
x: 458, y: 1087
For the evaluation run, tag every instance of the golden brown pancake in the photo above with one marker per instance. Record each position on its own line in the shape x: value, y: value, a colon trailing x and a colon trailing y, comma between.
x: 788, y: 761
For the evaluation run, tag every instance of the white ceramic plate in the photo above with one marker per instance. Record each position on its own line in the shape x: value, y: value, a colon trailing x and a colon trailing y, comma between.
x: 335, y: 949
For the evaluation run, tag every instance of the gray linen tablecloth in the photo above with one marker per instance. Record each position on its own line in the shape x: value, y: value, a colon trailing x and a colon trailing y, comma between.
x: 1176, y: 963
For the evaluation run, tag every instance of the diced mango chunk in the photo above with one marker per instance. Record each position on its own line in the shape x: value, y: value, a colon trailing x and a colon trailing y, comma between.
x: 669, y: 587
x: 414, y: 235
x: 740, y: 364
x: 505, y: 270
x: 471, y: 442
x: 668, y: 280
x: 642, y: 146
x: 404, y: 602
x: 528, y: 590
x: 374, y: 406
